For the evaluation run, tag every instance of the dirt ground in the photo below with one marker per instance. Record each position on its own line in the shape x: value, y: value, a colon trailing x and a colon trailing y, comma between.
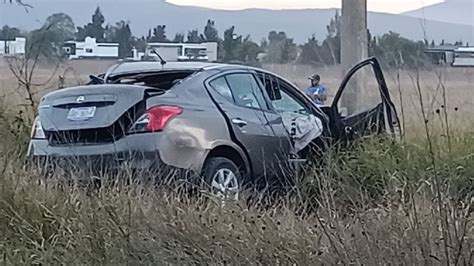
x: 458, y: 84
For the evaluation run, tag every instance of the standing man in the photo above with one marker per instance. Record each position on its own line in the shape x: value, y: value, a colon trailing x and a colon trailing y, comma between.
x: 317, y: 92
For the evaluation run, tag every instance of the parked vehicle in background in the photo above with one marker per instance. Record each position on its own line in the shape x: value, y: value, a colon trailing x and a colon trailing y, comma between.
x: 230, y: 123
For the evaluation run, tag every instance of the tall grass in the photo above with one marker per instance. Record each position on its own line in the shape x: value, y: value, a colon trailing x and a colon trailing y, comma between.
x: 404, y: 203
x: 373, y: 205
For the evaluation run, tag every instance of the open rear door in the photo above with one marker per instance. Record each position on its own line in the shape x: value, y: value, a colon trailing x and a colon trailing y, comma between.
x: 362, y: 105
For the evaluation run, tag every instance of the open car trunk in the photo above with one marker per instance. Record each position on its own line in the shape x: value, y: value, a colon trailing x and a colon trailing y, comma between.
x: 92, y: 114
x: 102, y: 113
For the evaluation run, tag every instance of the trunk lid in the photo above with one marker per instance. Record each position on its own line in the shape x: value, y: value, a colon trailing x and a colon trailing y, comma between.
x: 95, y: 113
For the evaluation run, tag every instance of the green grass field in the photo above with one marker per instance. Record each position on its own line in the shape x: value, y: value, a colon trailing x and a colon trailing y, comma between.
x: 406, y: 203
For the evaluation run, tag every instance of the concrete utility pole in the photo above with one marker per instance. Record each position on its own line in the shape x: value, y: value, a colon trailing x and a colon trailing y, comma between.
x: 354, y: 48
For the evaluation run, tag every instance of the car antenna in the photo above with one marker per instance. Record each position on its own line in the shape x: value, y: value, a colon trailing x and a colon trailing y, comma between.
x: 162, y: 61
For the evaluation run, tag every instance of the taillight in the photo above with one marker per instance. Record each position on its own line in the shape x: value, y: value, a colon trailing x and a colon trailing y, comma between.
x: 155, y: 119
x: 37, y: 130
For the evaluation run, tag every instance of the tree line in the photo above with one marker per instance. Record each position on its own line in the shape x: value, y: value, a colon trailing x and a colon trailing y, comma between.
x: 277, y: 47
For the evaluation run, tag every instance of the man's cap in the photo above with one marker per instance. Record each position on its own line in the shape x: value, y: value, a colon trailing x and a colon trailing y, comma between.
x: 315, y: 77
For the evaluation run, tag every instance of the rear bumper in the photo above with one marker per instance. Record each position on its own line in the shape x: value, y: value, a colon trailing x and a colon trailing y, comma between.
x: 171, y: 148
x: 145, y: 145
x: 136, y: 152
x: 129, y: 145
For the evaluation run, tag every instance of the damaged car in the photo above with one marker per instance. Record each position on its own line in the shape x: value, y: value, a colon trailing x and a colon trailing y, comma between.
x: 229, y: 123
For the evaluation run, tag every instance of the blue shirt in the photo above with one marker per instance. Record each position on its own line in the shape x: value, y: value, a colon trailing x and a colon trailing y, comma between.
x: 318, y: 89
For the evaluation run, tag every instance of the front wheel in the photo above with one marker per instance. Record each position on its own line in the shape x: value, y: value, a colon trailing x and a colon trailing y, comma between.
x: 223, y: 177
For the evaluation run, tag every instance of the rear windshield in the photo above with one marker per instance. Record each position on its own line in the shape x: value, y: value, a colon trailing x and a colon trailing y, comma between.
x: 162, y: 79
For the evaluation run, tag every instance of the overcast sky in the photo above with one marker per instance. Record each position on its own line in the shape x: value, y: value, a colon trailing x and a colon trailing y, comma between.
x: 389, y: 6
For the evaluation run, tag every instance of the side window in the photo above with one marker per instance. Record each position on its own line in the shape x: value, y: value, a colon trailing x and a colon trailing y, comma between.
x: 288, y: 104
x: 246, y: 91
x: 284, y: 103
x: 220, y: 86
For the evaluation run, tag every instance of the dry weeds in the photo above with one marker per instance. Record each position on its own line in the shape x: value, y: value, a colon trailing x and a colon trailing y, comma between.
x: 376, y: 205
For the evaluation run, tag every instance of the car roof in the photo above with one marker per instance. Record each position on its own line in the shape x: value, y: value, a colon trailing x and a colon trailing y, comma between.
x: 127, y: 67
x: 145, y: 66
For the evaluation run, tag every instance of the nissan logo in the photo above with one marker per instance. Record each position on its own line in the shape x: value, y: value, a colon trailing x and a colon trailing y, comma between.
x: 80, y: 99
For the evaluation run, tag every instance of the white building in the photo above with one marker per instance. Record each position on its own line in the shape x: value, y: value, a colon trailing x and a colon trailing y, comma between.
x: 181, y: 51
x: 13, y: 47
x: 89, y: 48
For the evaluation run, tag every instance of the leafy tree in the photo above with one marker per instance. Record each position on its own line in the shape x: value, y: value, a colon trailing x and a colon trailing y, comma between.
x: 120, y: 33
x: 231, y: 44
x: 328, y: 53
x: 249, y: 51
x: 310, y: 52
x: 178, y: 38
x: 48, y: 40
x: 332, y: 44
x: 372, y: 43
x: 220, y: 50
x: 264, y: 44
x: 159, y: 34
x: 44, y: 42
x: 98, y: 30
x: 7, y: 33
x: 210, y: 32
x: 289, y: 51
x: 397, y: 51
x: 139, y: 43
x: 193, y: 37
x: 234, y: 48
x: 94, y: 29
x: 62, y: 24
x: 281, y: 49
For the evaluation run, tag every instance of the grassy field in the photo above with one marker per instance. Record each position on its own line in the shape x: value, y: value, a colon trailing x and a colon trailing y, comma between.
x: 406, y: 203
x: 457, y: 84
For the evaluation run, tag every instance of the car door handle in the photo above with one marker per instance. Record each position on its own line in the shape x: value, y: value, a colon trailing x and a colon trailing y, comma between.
x: 239, y: 122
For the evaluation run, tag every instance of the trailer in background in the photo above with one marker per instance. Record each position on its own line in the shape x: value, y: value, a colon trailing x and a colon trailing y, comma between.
x: 456, y: 56
x: 89, y: 49
x: 464, y: 57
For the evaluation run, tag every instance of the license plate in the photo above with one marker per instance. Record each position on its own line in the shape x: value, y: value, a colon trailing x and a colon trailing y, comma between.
x: 81, y: 113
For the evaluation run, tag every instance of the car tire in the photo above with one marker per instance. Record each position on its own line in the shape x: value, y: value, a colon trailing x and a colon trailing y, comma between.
x: 223, y: 178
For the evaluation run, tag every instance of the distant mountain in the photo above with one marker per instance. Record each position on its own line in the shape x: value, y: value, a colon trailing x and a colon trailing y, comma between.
x: 453, y: 11
x: 299, y: 24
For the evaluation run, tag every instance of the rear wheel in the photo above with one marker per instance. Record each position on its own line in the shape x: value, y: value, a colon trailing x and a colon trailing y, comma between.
x: 223, y: 177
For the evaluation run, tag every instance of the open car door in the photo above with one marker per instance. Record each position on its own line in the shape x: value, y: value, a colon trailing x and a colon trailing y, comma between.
x: 362, y: 105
